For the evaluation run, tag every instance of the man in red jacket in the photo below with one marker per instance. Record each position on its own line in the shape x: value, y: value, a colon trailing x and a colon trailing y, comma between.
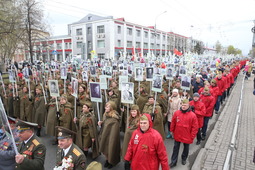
x: 146, y: 149
x: 198, y: 108
x: 221, y: 84
x: 208, y: 101
x: 184, y: 127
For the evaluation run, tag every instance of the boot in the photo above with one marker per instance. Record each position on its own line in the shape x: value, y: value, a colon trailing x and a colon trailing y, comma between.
x: 168, y: 135
x: 38, y: 133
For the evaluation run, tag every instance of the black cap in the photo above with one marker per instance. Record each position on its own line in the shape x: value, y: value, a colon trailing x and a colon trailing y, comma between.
x: 23, y: 125
x: 64, y: 133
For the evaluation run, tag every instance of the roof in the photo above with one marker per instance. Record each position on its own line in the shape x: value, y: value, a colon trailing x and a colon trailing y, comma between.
x: 92, y: 17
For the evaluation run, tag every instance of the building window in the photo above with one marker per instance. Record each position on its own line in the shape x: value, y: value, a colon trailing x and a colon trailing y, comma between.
x: 100, y: 29
x: 145, y: 34
x: 119, y: 43
x: 129, y: 44
x: 89, y: 30
x: 66, y: 46
x: 89, y: 18
x: 78, y: 44
x: 129, y: 31
x: 101, y: 55
x: 119, y: 29
x: 137, y: 45
x: 59, y: 46
x: 89, y: 44
x: 79, y: 31
x: 158, y: 36
x: 100, y: 43
x: 158, y: 46
x: 152, y: 45
x: 163, y: 46
x: 145, y: 45
x: 138, y: 33
x: 168, y: 47
x: 152, y: 35
x: 70, y: 45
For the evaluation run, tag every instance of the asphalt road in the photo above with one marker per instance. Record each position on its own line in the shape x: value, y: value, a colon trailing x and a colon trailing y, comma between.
x: 194, y: 149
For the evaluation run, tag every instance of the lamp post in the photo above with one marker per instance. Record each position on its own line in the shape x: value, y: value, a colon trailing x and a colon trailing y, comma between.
x: 253, y: 40
x: 155, y: 30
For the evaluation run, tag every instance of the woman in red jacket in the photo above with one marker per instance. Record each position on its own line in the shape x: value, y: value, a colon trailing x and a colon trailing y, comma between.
x: 208, y: 100
x: 199, y: 109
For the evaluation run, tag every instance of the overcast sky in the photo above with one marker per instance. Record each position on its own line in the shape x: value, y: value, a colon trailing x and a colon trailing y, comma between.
x: 229, y: 21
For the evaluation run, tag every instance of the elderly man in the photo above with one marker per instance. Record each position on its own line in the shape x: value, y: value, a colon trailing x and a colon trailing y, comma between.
x: 184, y: 126
x: 146, y: 149
x: 32, y: 151
x: 68, y: 150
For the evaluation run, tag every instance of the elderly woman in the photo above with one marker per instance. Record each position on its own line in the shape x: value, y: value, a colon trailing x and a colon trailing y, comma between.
x: 109, y: 143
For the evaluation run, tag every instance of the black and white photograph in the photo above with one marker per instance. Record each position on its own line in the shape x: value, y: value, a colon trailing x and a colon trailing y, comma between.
x: 84, y: 76
x: 127, y: 93
x: 149, y: 73
x: 169, y: 73
x: 95, y: 92
x: 122, y: 79
x: 213, y: 65
x: 182, y: 70
x: 74, y: 84
x: 185, y: 82
x: 108, y: 71
x: 157, y: 83
x: 92, y: 71
x: 63, y: 72
x: 103, y: 82
x: 25, y: 72
x: 139, y: 74
x: 12, y: 77
x: 53, y: 66
x: 53, y: 86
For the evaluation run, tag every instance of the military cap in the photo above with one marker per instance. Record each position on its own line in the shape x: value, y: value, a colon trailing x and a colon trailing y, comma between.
x: 134, y: 107
x: 64, y: 96
x: 88, y: 104
x: 24, y: 125
x: 143, y: 117
x: 94, y: 166
x: 150, y: 96
x: 64, y: 133
x: 39, y: 87
x: 185, y: 101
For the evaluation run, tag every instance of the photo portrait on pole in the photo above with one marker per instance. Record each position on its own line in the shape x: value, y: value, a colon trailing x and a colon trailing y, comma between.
x: 84, y: 76
x: 74, y: 84
x: 92, y: 71
x: 122, y: 79
x: 53, y: 86
x: 108, y: 71
x: 95, y: 92
x: 12, y: 77
x: 149, y: 73
x: 185, y: 82
x: 157, y: 83
x: 138, y: 73
x: 127, y: 93
x: 63, y: 72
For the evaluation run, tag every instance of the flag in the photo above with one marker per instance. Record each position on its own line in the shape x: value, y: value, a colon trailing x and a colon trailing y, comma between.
x: 177, y: 52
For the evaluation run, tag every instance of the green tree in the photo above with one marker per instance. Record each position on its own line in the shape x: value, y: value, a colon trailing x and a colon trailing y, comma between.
x: 198, y: 48
x: 233, y: 50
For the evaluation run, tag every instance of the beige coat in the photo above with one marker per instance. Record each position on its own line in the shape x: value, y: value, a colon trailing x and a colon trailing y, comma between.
x: 174, y: 104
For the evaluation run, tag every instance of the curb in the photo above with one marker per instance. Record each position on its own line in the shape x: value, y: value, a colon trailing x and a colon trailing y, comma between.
x: 198, y: 162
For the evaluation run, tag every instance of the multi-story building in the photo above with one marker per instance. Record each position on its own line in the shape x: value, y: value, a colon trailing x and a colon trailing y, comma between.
x: 107, y: 37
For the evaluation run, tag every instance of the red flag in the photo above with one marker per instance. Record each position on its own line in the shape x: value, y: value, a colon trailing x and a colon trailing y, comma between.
x: 177, y: 52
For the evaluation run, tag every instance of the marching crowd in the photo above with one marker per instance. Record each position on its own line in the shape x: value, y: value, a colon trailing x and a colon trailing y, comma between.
x: 79, y: 124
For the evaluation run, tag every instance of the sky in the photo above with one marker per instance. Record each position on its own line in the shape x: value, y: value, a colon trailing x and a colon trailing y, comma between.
x: 226, y: 21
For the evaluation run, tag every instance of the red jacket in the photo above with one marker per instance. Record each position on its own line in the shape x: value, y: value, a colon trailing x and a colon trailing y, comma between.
x: 209, y: 104
x: 221, y: 85
x: 200, y: 111
x: 216, y: 93
x: 184, y: 126
x: 146, y: 150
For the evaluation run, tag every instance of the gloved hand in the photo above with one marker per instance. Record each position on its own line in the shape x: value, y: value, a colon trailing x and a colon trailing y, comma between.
x: 152, y: 116
x: 30, y: 99
x: 127, y: 165
x: 58, y: 114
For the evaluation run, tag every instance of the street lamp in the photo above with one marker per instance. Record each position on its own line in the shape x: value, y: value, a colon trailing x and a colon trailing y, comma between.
x: 155, y: 41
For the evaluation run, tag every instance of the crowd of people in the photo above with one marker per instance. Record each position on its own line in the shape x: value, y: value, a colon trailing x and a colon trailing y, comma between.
x: 79, y: 124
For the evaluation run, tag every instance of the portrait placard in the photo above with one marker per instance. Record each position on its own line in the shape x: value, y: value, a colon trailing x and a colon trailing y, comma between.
x: 185, y: 82
x: 53, y: 86
x: 157, y: 83
x: 74, y: 84
x: 127, y: 93
x: 149, y: 73
x: 103, y: 82
x: 122, y: 79
x: 95, y: 92
x: 138, y: 74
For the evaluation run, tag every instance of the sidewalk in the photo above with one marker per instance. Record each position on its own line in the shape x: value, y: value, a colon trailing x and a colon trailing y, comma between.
x: 214, y: 154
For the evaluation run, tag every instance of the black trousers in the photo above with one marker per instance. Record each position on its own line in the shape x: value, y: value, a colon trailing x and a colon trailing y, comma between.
x: 199, y: 134
x: 175, y: 154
